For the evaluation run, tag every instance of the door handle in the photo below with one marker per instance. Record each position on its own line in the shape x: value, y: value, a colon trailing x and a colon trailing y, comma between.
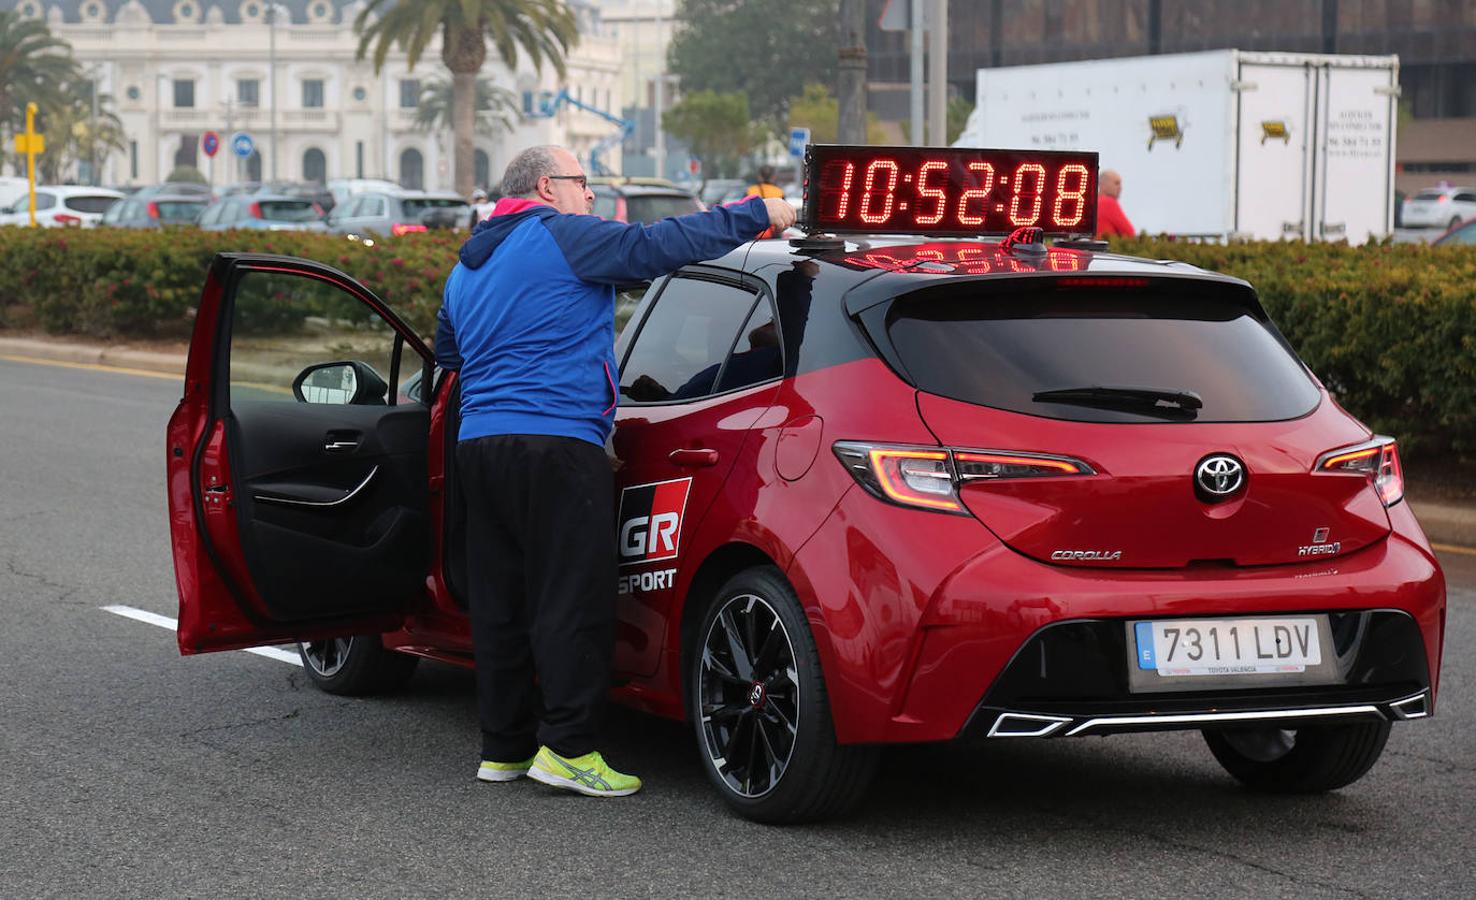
x: 694, y: 458
x: 340, y: 446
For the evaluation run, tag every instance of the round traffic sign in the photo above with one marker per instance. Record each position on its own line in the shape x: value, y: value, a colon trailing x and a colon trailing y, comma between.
x: 210, y: 143
x: 242, y: 145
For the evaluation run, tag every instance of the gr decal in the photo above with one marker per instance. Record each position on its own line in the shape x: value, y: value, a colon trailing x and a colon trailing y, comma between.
x: 651, y: 521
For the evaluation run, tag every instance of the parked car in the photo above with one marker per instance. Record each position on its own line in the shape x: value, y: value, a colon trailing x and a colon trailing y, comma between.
x: 271, y: 212
x: 626, y: 202
x: 175, y: 188
x: 1464, y: 233
x: 397, y: 212
x: 155, y: 210
x: 723, y: 190
x: 344, y: 188
x: 1440, y: 207
x: 911, y: 491
x: 61, y: 206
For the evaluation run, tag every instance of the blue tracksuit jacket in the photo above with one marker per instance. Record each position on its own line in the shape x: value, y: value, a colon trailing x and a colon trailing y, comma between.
x: 528, y: 314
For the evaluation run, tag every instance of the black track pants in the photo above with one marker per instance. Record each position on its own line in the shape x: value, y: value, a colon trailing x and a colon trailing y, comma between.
x: 541, y: 571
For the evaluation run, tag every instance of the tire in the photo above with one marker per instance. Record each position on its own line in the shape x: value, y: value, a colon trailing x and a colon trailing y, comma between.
x: 1308, y: 760
x: 764, y: 735
x: 355, y: 666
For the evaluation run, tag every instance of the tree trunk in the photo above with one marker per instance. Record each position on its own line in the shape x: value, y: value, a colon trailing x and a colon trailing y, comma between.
x: 463, y: 50
x: 852, y: 76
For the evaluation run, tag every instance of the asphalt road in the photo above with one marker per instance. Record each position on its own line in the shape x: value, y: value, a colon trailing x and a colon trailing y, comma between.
x: 127, y: 770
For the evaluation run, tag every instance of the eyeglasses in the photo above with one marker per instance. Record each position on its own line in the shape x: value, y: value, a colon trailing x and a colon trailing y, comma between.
x: 581, y: 180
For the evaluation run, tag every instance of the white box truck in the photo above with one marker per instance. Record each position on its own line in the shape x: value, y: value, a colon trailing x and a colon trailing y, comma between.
x: 1219, y: 144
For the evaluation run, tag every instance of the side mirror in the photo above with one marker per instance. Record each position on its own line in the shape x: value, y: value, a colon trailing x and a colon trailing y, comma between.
x: 343, y: 383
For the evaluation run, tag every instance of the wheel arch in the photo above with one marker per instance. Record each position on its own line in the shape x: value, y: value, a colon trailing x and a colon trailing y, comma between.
x: 720, y: 565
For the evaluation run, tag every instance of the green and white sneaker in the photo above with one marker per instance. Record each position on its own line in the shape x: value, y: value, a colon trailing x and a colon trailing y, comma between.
x: 503, y: 771
x: 588, y: 774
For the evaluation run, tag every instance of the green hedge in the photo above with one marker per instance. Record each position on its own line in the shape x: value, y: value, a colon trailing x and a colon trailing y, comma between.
x: 1391, y: 329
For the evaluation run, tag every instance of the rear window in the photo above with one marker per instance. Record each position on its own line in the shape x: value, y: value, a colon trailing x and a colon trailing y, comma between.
x: 180, y: 212
x: 1429, y: 195
x: 288, y: 211
x: 414, y: 209
x: 90, y: 204
x: 650, y: 208
x: 1001, y: 349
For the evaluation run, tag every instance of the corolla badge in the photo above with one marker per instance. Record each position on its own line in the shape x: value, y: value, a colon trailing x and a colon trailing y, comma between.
x: 1220, y: 475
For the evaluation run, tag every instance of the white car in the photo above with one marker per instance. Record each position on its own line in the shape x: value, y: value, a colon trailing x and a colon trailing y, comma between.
x: 1439, y: 207
x: 59, y: 206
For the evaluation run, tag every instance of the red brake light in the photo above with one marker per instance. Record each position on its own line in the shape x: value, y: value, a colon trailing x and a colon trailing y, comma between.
x: 153, y: 210
x: 64, y: 219
x: 398, y: 228
x: 318, y: 210
x: 929, y: 477
x: 255, y: 211
x: 1377, y: 460
x: 1444, y: 198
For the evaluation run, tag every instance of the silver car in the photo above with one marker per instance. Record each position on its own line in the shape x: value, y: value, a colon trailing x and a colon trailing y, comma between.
x: 393, y: 213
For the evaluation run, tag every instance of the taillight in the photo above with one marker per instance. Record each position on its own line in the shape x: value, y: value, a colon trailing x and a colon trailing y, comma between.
x: 254, y: 211
x: 64, y: 219
x: 1377, y: 460
x: 929, y: 477
x: 318, y: 210
x: 153, y: 210
x: 398, y: 228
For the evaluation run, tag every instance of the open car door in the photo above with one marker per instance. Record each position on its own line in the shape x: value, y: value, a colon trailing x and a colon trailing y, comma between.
x: 296, y: 467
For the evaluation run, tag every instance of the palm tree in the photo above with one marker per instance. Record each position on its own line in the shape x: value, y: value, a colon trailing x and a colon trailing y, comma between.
x: 496, y: 107
x: 74, y: 134
x: 543, y: 29
x: 34, y: 67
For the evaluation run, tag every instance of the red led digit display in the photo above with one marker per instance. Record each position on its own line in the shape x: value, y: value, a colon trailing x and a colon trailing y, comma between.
x: 949, y: 190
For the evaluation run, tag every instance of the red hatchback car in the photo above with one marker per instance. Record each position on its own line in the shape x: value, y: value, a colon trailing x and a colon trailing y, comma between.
x: 869, y: 493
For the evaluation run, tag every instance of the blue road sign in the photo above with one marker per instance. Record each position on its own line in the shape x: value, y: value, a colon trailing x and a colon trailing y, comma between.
x: 242, y: 145
x: 798, y: 138
x: 210, y: 143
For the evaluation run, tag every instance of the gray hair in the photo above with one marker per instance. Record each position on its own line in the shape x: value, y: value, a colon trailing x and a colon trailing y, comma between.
x: 521, y: 177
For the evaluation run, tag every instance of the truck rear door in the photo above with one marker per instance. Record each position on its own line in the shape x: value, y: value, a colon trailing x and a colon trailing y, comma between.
x: 1355, y: 152
x: 1273, y: 171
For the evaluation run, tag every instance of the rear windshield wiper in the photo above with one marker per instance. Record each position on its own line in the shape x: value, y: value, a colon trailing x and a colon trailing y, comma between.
x: 1152, y: 401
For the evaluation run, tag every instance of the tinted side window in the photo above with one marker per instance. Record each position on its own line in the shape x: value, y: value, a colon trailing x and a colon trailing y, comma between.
x: 43, y: 201
x: 684, y: 340
x: 1466, y: 197
x: 756, y: 357
x: 90, y: 204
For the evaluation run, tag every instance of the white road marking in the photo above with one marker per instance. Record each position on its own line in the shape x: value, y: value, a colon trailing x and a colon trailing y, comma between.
x: 143, y: 615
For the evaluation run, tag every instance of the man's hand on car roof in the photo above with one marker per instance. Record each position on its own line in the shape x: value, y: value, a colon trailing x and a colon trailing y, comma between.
x: 781, y: 214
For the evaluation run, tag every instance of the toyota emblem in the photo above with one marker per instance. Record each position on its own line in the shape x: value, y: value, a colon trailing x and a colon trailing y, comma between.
x: 1219, y: 476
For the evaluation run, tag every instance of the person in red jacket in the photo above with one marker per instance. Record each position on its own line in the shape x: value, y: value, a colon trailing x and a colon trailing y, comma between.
x: 1111, y: 220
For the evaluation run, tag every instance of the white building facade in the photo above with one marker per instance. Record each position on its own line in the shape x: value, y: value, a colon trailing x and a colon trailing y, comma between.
x: 177, y: 69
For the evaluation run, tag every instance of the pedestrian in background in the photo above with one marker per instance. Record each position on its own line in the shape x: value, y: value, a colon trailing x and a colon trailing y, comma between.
x: 1111, y: 220
x: 527, y: 319
x: 766, y: 187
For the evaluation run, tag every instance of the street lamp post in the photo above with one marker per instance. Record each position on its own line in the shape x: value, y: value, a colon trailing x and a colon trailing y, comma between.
x: 272, y: 77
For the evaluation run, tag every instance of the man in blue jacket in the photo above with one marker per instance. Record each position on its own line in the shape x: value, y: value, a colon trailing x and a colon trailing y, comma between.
x: 528, y: 320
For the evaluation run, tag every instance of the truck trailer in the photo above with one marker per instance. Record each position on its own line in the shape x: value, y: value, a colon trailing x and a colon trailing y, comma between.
x: 1216, y: 145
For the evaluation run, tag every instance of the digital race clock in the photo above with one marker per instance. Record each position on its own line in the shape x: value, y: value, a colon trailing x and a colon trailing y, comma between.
x: 949, y: 190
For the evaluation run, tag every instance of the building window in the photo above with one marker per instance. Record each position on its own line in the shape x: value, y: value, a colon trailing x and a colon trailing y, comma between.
x: 412, y: 170
x: 359, y: 159
x: 409, y: 93
x: 483, y: 168
x: 360, y: 94
x: 133, y: 92
x: 132, y: 160
x: 253, y: 166
x: 312, y: 93
x: 248, y: 92
x: 314, y: 166
x: 184, y: 93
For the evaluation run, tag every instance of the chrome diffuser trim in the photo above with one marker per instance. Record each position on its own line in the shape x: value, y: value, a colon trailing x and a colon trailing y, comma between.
x: 1046, y: 725
x: 1222, y: 718
x: 1415, y: 707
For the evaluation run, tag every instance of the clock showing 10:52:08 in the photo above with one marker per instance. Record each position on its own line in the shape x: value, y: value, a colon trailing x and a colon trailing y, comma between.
x: 955, y: 190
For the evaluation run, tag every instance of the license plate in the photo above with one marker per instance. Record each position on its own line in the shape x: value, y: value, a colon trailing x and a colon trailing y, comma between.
x: 1219, y: 647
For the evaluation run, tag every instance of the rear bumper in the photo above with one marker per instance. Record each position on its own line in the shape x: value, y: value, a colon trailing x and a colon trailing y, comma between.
x: 926, y: 626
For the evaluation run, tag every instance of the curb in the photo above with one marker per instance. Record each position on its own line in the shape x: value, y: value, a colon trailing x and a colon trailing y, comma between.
x: 88, y: 354
x: 1443, y: 523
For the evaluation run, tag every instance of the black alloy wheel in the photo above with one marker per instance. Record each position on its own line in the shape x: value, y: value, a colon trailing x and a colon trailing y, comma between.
x: 749, y: 695
x: 757, y: 701
x: 355, y: 666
